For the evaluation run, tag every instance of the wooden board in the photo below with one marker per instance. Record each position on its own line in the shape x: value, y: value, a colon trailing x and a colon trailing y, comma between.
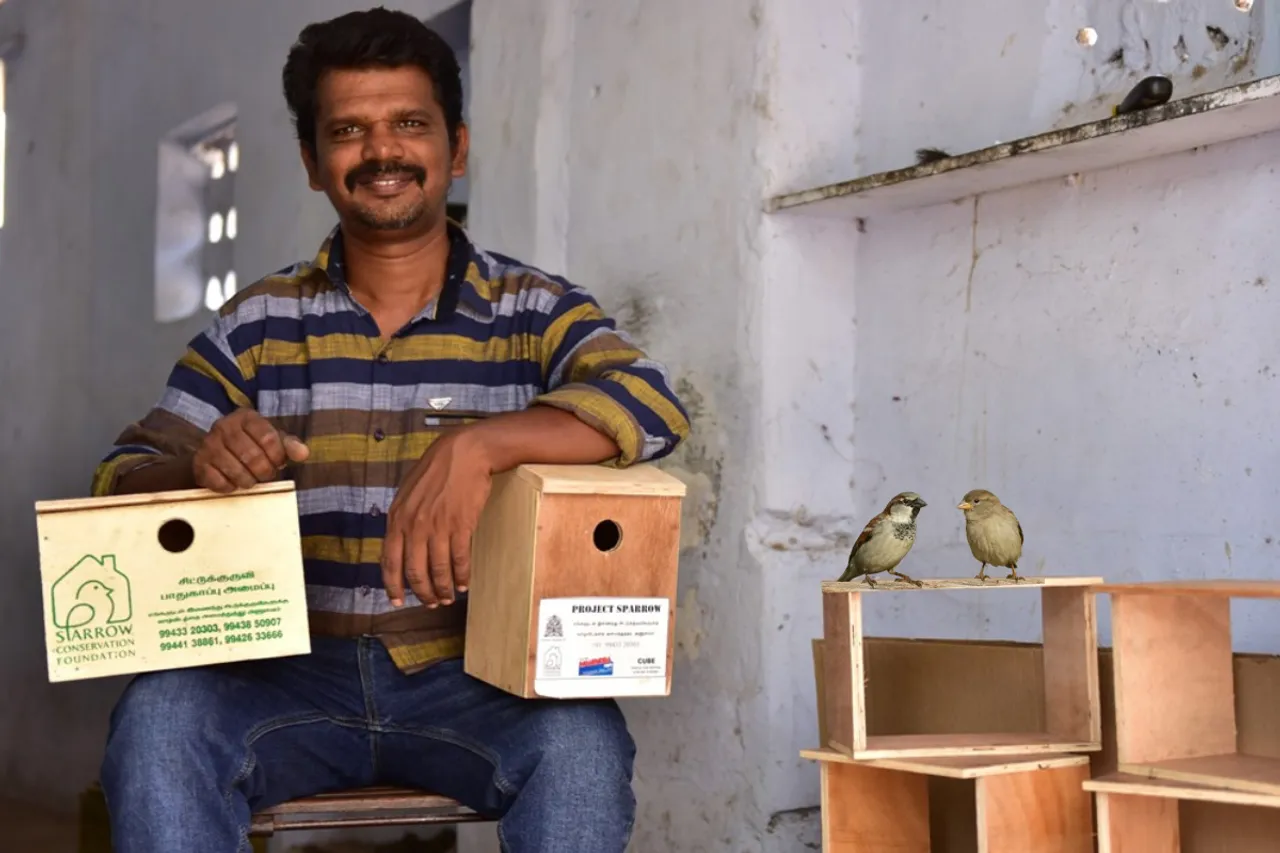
x: 1134, y: 785
x: 867, y: 808
x: 1131, y: 824
x: 890, y: 585
x: 638, y: 480
x: 843, y: 666
x: 983, y: 744
x: 1234, y: 112
x: 166, y: 581
x: 1174, y: 691
x: 1070, y: 642
x: 1251, y: 773
x: 1046, y: 811
x: 958, y: 767
x: 148, y: 498
x: 501, y: 593
x: 1233, y: 588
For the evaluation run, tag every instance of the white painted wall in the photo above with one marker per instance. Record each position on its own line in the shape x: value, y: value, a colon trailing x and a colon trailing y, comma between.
x: 630, y: 146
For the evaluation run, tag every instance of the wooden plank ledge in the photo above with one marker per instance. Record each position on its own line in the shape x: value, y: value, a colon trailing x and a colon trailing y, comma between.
x: 1250, y: 773
x: 1142, y: 786
x: 1232, y: 588
x: 1233, y: 112
x: 891, y: 584
x: 956, y: 767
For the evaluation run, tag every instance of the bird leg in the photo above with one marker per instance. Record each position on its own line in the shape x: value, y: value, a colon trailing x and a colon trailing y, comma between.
x: 870, y: 582
x: 982, y: 573
x: 1013, y: 573
x: 898, y: 574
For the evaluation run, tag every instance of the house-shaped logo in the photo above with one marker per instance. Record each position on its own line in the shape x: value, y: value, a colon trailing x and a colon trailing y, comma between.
x: 92, y: 594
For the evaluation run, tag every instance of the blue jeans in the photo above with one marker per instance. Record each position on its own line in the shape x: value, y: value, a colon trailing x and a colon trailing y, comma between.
x: 192, y: 752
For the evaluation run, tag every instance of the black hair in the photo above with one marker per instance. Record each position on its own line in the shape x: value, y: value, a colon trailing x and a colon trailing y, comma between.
x: 375, y: 38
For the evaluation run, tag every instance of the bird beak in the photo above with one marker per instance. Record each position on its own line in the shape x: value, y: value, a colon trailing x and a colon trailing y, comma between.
x: 964, y: 505
x: 919, y: 503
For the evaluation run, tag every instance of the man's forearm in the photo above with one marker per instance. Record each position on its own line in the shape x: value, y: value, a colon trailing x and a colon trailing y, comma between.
x: 167, y: 474
x: 540, y: 435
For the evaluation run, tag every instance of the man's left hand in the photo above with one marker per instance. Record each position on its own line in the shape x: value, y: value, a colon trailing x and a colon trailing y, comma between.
x: 430, y: 522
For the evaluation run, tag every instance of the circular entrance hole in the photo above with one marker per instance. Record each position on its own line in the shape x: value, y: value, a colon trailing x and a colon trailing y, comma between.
x: 607, y: 535
x: 176, y: 536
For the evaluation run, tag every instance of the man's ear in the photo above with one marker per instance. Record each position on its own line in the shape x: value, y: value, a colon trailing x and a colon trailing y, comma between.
x: 309, y: 163
x: 460, y: 148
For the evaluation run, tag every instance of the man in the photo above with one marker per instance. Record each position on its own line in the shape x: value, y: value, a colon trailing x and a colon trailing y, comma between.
x: 390, y: 379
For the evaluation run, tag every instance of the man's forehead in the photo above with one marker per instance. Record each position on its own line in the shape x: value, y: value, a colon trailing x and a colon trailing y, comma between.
x: 374, y: 89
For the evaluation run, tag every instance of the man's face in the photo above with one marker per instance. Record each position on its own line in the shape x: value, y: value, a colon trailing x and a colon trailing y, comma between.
x: 382, y: 148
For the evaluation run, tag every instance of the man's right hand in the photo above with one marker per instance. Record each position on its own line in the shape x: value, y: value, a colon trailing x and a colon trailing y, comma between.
x: 243, y: 449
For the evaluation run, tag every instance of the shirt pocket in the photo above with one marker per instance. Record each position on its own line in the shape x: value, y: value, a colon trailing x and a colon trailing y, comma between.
x: 435, y: 406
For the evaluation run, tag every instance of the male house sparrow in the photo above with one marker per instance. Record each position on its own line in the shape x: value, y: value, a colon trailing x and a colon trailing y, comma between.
x: 993, y: 531
x: 885, y: 540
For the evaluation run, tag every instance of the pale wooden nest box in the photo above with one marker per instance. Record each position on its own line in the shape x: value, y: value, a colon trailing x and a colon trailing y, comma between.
x: 573, y: 582
x: 136, y: 583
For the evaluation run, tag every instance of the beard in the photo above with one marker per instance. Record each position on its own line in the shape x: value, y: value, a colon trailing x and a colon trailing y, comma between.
x: 392, y: 213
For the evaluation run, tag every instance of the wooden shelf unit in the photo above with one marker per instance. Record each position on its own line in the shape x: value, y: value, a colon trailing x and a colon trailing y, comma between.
x: 1029, y: 804
x: 1073, y: 721
x: 1175, y: 698
x: 1234, y: 112
x: 1141, y: 815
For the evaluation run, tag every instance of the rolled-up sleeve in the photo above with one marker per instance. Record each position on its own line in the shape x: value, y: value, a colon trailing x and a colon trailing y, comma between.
x: 204, y: 385
x: 596, y: 372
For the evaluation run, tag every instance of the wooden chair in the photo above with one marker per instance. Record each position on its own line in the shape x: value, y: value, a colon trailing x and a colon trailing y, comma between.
x: 366, y: 807
x: 382, y: 806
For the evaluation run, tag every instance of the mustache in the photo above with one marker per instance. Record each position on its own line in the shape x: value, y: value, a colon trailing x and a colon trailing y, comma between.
x: 372, y: 169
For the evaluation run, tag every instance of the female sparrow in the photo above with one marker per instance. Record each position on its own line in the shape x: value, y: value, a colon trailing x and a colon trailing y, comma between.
x: 993, y: 531
x: 885, y: 540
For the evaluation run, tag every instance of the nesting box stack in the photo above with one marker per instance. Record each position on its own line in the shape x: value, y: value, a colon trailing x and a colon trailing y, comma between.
x: 1024, y: 786
x: 573, y: 586
x: 1177, y: 737
x: 135, y: 583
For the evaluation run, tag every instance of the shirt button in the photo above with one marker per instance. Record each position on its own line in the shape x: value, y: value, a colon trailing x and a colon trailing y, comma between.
x: 375, y: 511
x: 383, y: 358
x: 378, y: 434
x: 364, y: 590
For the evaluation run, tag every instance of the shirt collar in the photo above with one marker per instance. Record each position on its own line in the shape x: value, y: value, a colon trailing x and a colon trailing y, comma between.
x: 465, y: 269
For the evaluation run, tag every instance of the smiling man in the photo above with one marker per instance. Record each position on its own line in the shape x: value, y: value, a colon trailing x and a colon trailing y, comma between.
x: 390, y: 378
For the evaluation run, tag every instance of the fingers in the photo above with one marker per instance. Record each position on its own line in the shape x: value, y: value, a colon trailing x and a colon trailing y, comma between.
x: 460, y: 545
x: 415, y: 565
x: 212, y: 479
x: 295, y: 449
x: 393, y: 565
x: 441, y: 568
x: 266, y: 441
x: 244, y: 449
x: 249, y: 453
x: 215, y: 461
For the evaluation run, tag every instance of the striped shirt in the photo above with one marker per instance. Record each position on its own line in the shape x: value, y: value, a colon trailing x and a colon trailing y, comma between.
x: 297, y: 347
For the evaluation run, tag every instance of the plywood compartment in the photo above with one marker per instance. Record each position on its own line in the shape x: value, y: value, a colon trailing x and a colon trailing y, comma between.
x: 1175, y: 697
x: 1065, y: 693
x: 988, y: 680
x: 574, y: 571
x: 1013, y: 804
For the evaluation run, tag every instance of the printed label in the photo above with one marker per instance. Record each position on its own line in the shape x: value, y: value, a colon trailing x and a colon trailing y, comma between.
x: 602, y: 647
